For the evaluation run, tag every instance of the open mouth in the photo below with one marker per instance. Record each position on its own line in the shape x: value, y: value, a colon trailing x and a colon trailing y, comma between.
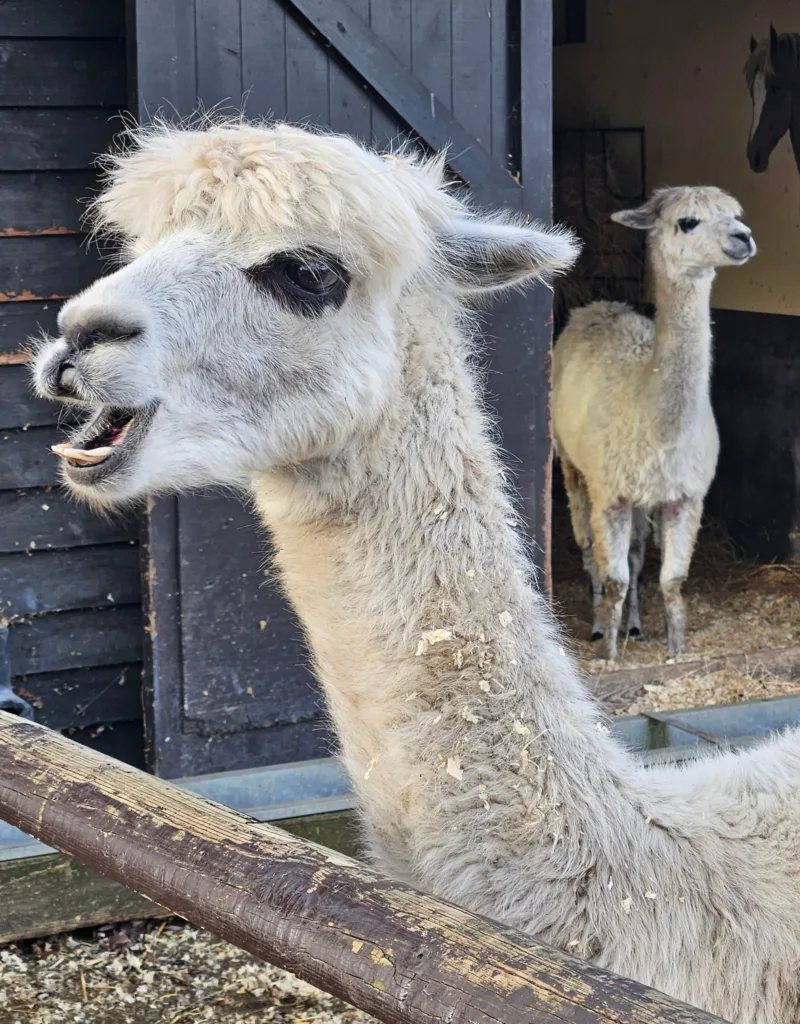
x: 105, y: 441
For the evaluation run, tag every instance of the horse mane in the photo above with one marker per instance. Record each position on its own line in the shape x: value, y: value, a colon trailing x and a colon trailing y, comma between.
x: 760, y: 60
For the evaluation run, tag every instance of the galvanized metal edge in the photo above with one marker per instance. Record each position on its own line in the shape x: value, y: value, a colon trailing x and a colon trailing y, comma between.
x: 285, y: 791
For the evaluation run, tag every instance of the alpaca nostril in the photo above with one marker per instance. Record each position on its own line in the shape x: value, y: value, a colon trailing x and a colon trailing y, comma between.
x: 742, y: 236
x: 91, y: 338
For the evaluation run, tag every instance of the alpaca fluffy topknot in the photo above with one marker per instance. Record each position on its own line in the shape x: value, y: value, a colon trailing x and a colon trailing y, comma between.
x: 266, y: 186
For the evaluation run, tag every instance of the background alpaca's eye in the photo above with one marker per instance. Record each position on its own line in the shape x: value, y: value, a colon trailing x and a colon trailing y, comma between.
x: 688, y: 224
x: 305, y: 283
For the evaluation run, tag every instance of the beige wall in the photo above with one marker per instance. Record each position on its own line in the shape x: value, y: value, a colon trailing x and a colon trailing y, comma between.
x: 675, y: 69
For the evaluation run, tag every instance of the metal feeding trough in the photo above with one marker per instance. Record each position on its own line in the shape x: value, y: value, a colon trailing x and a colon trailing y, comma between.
x: 283, y: 792
x: 665, y: 736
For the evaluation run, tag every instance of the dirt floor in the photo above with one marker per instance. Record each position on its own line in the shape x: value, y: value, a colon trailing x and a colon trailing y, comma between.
x: 732, y: 607
x: 154, y: 973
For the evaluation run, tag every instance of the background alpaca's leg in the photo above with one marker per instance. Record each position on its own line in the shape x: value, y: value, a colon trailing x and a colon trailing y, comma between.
x: 581, y: 515
x: 680, y: 521
x: 611, y: 529
x: 640, y: 530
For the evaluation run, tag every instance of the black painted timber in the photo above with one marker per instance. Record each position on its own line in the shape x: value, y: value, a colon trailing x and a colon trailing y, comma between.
x: 69, y: 579
x: 42, y: 518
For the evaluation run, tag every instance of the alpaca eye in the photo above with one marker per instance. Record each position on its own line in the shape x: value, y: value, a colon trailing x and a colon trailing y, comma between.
x: 314, y: 276
x: 305, y: 284
x: 687, y: 224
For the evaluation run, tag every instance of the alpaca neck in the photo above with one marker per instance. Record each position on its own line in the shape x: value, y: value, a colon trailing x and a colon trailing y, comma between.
x: 678, y: 374
x: 453, y: 700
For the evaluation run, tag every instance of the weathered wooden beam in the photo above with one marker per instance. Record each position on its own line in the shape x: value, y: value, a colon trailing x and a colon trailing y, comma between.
x: 51, y: 893
x: 391, y: 951
x: 622, y: 684
x: 405, y: 94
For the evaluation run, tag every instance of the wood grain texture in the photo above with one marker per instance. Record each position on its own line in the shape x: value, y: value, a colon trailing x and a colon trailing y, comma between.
x: 49, y: 267
x: 44, y: 203
x: 58, y: 139
x: 244, y: 662
x: 389, y: 950
x: 26, y: 459
x: 52, y: 893
x: 32, y: 582
x: 62, y: 73
x: 71, y: 19
x: 20, y: 321
x: 75, y: 639
x: 42, y: 518
x: 84, y: 697
x: 419, y: 106
x: 19, y: 407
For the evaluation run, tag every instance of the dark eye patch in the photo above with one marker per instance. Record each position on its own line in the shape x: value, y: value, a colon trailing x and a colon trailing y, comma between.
x: 687, y: 224
x: 306, y: 283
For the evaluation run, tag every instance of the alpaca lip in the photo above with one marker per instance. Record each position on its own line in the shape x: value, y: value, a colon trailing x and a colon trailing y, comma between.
x: 105, y: 443
x: 741, y: 257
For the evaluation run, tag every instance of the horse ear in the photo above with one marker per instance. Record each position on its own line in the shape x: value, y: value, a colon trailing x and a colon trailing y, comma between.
x: 753, y: 44
x: 773, y: 41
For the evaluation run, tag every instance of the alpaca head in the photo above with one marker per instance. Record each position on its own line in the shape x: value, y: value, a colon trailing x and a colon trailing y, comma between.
x: 692, y: 228
x: 255, y: 324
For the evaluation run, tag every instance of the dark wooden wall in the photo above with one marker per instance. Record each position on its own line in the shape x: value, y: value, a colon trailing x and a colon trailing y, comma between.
x: 69, y: 580
x: 756, y: 397
x: 223, y: 690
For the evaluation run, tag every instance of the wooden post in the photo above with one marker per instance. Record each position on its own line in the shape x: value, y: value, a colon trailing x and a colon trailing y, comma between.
x: 389, y: 950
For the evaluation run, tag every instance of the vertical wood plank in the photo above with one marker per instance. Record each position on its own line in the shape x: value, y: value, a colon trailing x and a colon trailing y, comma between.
x: 307, y: 92
x: 390, y: 20
x: 518, y: 330
x: 219, y: 57
x: 472, y: 67
x: 536, y: 78
x: 166, y: 70
x: 498, y: 83
x: 264, y: 59
x: 161, y: 609
x: 350, y: 106
x: 432, y: 47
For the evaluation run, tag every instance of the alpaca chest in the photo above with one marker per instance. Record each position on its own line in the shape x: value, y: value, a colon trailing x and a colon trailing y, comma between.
x: 651, y: 472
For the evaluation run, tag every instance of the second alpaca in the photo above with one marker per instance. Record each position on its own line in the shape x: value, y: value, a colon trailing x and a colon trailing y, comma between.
x: 632, y: 414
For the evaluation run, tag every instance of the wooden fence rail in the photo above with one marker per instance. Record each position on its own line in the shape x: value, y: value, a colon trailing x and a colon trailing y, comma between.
x: 396, y: 953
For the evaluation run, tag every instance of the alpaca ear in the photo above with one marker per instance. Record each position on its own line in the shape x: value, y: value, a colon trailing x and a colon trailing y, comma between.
x: 773, y: 41
x: 753, y: 44
x: 642, y: 217
x: 488, y: 255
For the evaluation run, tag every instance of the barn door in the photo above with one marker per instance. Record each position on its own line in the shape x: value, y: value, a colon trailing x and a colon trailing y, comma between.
x: 229, y: 685
x: 69, y: 579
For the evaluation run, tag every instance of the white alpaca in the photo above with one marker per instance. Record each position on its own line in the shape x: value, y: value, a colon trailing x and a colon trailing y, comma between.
x: 632, y: 414
x: 293, y: 322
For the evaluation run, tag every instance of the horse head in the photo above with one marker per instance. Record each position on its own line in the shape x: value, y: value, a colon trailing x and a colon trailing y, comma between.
x: 773, y: 76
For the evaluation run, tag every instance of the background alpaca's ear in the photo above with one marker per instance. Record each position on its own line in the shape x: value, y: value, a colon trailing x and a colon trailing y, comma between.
x: 642, y: 217
x: 753, y: 44
x: 486, y: 255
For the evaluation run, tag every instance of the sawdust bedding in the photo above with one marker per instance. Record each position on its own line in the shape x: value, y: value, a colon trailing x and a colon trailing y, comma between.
x: 733, y: 606
x: 154, y: 973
